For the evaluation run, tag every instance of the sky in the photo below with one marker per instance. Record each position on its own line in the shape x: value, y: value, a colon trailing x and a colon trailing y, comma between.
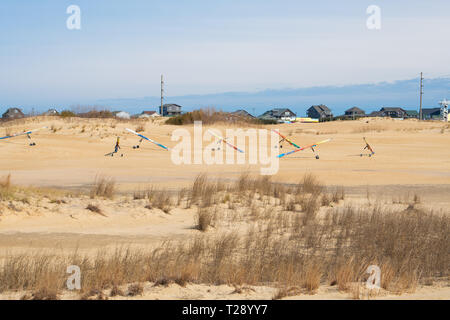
x: 206, y: 47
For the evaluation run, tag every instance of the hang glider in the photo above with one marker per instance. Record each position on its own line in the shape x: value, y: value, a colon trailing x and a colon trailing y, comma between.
x: 27, y: 133
x: 286, y: 139
x: 225, y: 141
x: 368, y: 147
x: 311, y: 146
x: 145, y: 138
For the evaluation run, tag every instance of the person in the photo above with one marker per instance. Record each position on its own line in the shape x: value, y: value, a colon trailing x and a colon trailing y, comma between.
x: 117, y: 147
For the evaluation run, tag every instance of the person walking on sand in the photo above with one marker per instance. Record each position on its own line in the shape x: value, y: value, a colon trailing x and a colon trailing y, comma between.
x: 116, y: 148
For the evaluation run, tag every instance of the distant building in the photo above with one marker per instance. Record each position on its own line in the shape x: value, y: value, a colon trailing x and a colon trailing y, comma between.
x: 431, y: 114
x: 51, y: 112
x: 148, y: 114
x: 279, y: 114
x: 319, y: 112
x: 375, y: 114
x: 393, y: 112
x: 169, y: 110
x: 123, y: 115
x: 13, y: 113
x: 242, y: 114
x: 412, y: 114
x: 355, y: 112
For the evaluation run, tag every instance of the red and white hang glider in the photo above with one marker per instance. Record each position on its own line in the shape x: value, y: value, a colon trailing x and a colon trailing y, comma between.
x: 224, y: 140
x: 298, y: 148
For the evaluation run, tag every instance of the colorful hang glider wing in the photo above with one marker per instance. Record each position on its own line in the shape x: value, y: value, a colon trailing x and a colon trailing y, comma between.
x: 368, y: 146
x: 148, y: 139
x: 289, y: 141
x: 303, y: 148
x: 225, y: 141
x: 22, y: 133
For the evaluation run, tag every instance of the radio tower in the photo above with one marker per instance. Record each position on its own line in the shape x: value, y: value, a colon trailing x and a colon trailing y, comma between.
x: 162, y: 96
x: 444, y: 109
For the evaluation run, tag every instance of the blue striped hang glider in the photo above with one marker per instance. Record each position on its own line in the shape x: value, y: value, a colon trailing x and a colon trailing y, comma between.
x: 27, y: 133
x: 312, y: 146
x: 148, y: 139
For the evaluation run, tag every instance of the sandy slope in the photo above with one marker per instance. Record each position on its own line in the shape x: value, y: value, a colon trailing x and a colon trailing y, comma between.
x: 225, y: 292
x: 407, y: 152
x: 411, y: 158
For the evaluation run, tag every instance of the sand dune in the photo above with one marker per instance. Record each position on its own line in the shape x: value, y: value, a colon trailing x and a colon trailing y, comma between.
x: 54, y: 177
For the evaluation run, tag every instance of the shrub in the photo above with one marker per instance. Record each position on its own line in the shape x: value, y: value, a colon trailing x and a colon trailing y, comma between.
x: 67, y: 114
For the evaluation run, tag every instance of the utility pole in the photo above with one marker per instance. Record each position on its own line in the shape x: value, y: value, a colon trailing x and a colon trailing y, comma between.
x: 421, y: 94
x: 162, y: 96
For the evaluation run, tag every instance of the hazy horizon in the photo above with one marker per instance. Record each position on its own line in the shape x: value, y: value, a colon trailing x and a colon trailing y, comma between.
x: 370, y: 97
x: 212, y: 52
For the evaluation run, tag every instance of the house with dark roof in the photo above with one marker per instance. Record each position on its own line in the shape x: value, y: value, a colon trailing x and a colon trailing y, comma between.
x: 319, y: 112
x: 431, y: 113
x: 412, y: 114
x: 393, y: 112
x: 375, y: 114
x: 13, y: 113
x: 355, y: 112
x: 242, y: 113
x: 169, y: 110
x: 51, y: 112
x: 279, y: 114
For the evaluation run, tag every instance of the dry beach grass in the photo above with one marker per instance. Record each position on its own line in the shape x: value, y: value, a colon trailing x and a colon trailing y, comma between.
x: 141, y: 227
x: 296, y: 248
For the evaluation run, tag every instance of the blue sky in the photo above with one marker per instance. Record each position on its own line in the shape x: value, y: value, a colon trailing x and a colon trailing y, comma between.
x: 209, y: 47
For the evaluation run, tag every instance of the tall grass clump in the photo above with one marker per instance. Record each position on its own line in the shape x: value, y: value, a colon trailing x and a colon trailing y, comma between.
x: 161, y: 199
x: 103, y: 187
x: 5, y: 182
x: 204, y: 218
x: 203, y: 192
x: 310, y: 184
x: 6, y: 189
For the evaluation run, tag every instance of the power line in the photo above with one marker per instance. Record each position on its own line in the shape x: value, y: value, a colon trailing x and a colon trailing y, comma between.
x: 162, y: 96
x: 421, y: 95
